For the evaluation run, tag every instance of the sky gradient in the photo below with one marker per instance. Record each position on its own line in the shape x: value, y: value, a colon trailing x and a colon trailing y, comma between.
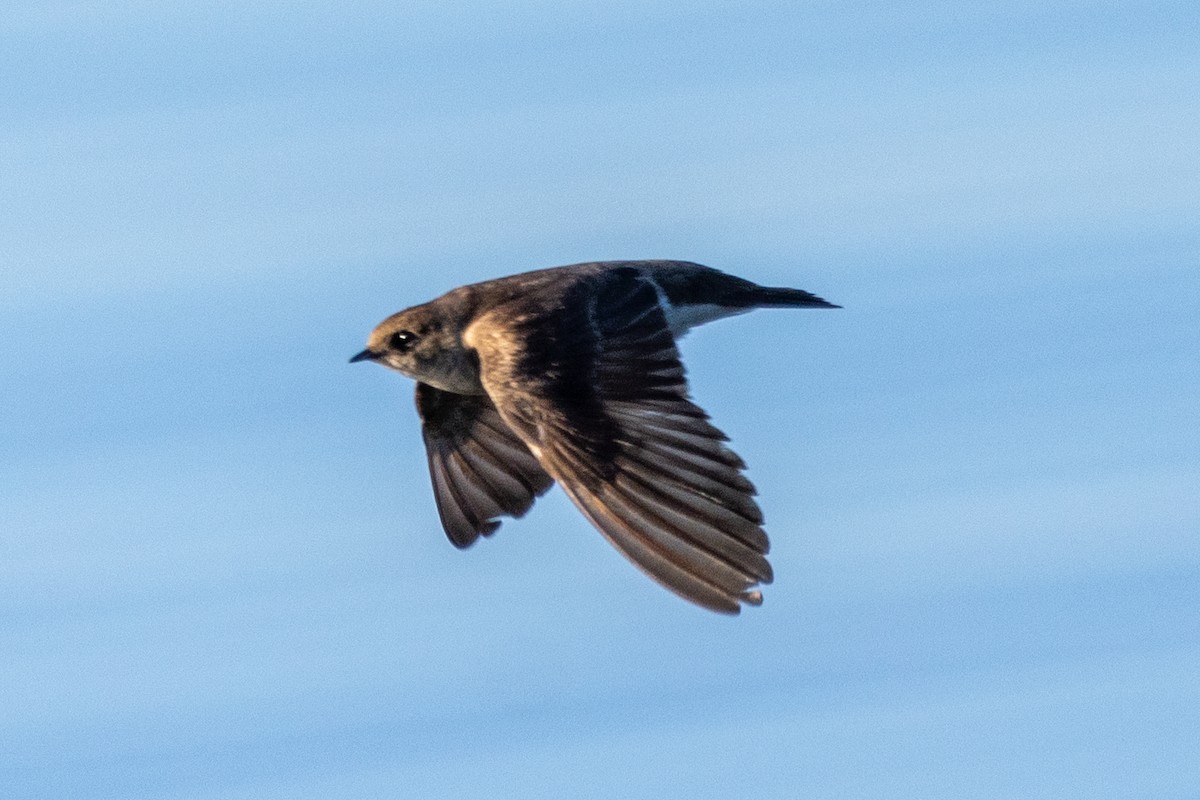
x: 221, y: 570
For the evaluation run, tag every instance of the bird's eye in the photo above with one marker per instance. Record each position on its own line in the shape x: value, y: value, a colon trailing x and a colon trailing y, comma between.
x: 400, y: 341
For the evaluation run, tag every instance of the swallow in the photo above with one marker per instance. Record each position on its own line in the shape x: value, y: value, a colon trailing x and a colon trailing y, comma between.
x: 572, y: 375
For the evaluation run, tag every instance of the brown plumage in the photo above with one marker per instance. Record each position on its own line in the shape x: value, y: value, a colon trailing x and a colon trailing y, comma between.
x: 572, y: 375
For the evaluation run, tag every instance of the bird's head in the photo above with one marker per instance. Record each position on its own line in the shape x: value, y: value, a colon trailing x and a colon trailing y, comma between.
x: 425, y: 345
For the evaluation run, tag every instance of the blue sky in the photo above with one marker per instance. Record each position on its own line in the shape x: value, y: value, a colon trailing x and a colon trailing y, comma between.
x: 221, y: 571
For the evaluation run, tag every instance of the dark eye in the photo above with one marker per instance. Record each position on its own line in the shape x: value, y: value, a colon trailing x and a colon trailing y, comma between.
x: 400, y: 341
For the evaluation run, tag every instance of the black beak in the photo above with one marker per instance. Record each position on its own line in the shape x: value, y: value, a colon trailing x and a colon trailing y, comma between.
x: 365, y: 355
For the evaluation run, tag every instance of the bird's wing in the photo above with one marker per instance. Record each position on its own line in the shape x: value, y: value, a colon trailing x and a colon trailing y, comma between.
x: 591, y: 380
x: 480, y: 469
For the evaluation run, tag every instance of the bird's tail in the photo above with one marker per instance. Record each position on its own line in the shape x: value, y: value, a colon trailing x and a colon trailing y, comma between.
x: 781, y: 297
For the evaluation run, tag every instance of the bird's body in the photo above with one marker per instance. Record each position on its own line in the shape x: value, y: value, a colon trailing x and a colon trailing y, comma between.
x: 571, y: 374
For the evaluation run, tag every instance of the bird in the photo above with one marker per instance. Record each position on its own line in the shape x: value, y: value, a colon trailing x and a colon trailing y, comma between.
x: 572, y: 375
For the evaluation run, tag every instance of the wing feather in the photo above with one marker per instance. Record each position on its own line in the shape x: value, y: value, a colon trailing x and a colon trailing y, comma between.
x: 479, y: 467
x: 593, y: 385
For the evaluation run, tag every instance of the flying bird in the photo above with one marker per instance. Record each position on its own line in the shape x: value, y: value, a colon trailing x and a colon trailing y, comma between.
x: 571, y: 374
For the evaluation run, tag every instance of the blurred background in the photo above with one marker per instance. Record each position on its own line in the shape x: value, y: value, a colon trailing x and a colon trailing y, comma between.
x: 221, y: 569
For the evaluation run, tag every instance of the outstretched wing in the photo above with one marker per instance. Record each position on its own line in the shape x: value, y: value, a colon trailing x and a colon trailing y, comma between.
x: 480, y: 468
x: 591, y: 380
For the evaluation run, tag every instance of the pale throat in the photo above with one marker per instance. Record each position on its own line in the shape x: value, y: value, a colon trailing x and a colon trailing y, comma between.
x: 452, y: 371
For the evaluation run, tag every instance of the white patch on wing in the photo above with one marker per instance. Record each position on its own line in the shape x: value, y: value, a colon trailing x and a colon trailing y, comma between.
x: 682, y: 318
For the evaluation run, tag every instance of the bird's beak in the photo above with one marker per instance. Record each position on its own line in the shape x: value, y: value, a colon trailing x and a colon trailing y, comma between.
x: 365, y: 355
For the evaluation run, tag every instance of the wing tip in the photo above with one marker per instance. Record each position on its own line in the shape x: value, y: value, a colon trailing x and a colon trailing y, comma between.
x: 731, y: 605
x: 751, y: 597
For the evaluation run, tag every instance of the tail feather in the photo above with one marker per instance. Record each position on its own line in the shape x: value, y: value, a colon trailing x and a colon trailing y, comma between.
x: 685, y: 283
x: 779, y: 296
